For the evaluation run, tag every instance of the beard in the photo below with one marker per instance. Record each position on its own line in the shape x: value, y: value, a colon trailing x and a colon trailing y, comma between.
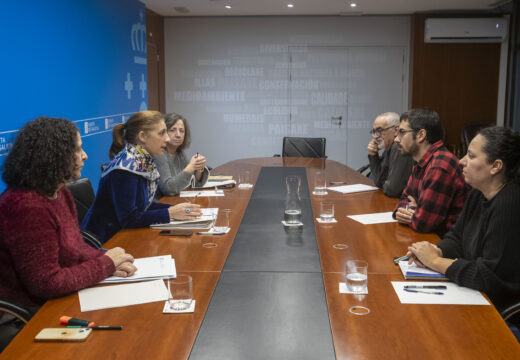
x: 380, y: 144
x: 412, y: 150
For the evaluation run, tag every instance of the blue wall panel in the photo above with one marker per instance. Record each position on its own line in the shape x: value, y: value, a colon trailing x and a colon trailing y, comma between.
x: 81, y: 60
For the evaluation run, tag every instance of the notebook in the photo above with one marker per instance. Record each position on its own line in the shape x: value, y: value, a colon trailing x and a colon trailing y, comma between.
x: 205, y: 221
x: 413, y: 272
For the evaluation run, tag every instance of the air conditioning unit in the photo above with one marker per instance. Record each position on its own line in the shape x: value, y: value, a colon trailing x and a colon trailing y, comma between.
x: 465, y: 30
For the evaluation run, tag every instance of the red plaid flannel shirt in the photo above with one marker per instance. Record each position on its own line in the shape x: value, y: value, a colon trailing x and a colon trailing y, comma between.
x: 438, y: 187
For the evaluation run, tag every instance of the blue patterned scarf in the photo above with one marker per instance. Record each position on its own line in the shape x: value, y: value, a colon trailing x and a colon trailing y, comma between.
x: 135, y: 159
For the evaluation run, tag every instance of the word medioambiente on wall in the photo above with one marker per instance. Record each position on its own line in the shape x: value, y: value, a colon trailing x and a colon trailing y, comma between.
x: 243, y: 91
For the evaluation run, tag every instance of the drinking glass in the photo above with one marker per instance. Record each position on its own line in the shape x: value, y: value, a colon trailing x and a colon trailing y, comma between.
x: 320, y: 183
x: 244, y: 177
x: 180, y: 292
x: 356, y: 276
x: 326, y: 211
x: 222, y: 221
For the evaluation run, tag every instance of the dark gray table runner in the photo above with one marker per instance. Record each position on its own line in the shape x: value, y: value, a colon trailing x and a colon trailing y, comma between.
x: 270, y: 301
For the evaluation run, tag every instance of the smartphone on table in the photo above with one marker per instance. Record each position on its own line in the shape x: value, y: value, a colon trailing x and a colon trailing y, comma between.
x: 175, y: 232
x: 63, y: 334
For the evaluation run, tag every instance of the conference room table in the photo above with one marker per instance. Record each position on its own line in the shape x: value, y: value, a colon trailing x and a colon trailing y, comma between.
x: 390, y: 330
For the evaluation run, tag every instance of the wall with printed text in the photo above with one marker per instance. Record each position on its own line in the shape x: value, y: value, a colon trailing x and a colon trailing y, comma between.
x: 80, y: 60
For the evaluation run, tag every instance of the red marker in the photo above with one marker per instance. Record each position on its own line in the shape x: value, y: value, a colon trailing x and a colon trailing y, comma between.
x: 67, y: 320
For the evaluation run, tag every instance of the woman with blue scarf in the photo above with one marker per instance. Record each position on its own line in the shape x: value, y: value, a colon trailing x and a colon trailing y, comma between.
x: 128, y: 183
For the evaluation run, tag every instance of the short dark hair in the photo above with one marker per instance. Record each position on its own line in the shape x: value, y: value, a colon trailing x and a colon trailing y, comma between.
x: 170, y: 120
x: 427, y: 119
x: 504, y: 144
x: 43, y: 155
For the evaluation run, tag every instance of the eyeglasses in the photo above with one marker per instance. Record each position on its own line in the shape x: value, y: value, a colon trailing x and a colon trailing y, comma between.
x: 378, y: 131
x: 402, y: 132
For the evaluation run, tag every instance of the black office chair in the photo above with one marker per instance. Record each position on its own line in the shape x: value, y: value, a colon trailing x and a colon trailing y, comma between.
x: 19, y: 316
x: 508, y: 314
x: 304, y: 147
x: 83, y: 193
x: 365, y: 170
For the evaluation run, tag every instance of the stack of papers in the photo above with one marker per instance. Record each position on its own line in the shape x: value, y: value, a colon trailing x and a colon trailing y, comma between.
x: 220, y: 177
x: 205, y: 221
x: 150, y: 268
x: 105, y: 297
x: 414, y: 272
x: 201, y: 193
x: 347, y: 189
x: 220, y: 184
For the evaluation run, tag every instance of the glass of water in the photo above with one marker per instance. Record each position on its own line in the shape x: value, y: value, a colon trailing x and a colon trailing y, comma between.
x: 180, y: 292
x: 326, y: 211
x: 222, y: 220
x: 244, y: 177
x: 356, y: 276
x: 320, y: 183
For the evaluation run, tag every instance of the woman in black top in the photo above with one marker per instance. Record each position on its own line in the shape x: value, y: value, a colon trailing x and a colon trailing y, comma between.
x: 482, y: 248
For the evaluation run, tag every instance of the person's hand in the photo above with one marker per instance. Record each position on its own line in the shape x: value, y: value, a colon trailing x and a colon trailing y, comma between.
x: 184, y: 211
x: 412, y: 204
x: 197, y: 163
x: 119, y: 256
x: 373, y: 147
x: 404, y: 216
x: 425, y: 252
x: 126, y: 269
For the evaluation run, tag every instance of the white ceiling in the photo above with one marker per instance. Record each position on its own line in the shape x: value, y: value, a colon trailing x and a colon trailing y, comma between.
x: 312, y: 7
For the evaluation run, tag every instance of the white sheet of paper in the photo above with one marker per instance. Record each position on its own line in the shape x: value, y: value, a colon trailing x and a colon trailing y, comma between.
x: 202, y: 193
x: 106, y: 297
x: 347, y: 189
x: 212, y: 184
x: 453, y: 295
x: 155, y: 267
x: 375, y: 218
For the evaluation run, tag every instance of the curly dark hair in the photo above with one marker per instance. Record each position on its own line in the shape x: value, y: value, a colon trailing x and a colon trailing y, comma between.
x: 170, y: 120
x: 42, y: 156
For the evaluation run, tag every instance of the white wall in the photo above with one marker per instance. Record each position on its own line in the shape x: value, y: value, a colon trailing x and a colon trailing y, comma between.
x: 217, y: 70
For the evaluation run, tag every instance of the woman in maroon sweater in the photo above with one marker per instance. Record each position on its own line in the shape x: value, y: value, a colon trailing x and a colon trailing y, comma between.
x: 42, y: 253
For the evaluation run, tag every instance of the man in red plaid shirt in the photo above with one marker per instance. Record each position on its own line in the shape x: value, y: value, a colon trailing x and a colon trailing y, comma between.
x: 433, y: 198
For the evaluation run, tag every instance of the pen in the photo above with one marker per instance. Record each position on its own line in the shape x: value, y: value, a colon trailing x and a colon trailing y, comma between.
x: 337, y: 182
x: 437, y: 287
x: 424, y: 292
x: 210, y: 233
x: 402, y: 258
x: 99, y: 327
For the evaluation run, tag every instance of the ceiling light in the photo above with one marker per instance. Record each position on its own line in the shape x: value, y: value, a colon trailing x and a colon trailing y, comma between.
x: 228, y: 6
x: 353, y: 4
x: 290, y: 5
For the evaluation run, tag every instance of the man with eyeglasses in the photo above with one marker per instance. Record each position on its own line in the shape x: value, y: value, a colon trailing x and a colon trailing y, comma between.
x: 391, y: 170
x: 433, y: 198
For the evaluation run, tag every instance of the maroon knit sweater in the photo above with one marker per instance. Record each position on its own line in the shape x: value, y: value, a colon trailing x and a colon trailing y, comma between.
x: 42, y: 253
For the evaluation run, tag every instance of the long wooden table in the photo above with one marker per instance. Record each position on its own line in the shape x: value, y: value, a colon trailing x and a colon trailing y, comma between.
x: 391, y: 330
